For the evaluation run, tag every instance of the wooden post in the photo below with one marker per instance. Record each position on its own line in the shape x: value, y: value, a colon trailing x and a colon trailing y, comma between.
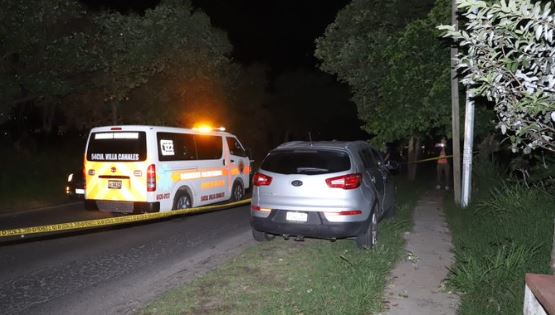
x: 455, y: 118
x: 553, y: 251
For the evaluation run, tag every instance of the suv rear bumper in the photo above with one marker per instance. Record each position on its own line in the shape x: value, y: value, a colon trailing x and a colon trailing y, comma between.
x: 316, y: 226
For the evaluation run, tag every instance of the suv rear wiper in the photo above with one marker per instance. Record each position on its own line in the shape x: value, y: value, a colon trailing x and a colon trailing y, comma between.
x: 305, y: 170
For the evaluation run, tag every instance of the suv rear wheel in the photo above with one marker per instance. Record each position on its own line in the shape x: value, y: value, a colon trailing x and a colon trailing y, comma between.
x: 369, y: 238
x: 262, y: 236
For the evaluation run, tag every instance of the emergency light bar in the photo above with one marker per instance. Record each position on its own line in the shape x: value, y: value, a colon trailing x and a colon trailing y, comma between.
x: 206, y: 128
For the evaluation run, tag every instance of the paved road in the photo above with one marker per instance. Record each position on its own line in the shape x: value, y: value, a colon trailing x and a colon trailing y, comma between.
x: 113, y: 271
x: 69, y: 212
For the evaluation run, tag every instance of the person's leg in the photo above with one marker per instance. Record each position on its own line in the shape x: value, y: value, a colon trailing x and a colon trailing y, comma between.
x: 447, y: 176
x: 438, y: 176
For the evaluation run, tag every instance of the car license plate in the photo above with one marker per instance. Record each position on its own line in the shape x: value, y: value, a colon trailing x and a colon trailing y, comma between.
x: 296, y: 216
x: 114, y: 184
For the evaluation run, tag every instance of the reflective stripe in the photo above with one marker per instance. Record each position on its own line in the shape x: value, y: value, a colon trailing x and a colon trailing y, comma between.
x: 208, y: 185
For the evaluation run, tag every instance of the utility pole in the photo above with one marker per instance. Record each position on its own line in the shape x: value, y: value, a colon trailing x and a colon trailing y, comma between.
x: 467, y: 153
x: 455, y: 116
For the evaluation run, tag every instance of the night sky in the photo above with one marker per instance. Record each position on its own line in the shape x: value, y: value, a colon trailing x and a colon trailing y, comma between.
x: 279, y: 34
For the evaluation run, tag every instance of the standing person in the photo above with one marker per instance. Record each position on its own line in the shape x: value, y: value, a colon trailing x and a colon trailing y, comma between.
x: 443, y: 168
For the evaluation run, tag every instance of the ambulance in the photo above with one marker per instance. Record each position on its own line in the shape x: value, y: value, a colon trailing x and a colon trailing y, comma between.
x: 138, y: 169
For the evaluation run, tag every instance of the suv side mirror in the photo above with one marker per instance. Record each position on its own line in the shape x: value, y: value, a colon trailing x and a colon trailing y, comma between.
x: 392, y: 166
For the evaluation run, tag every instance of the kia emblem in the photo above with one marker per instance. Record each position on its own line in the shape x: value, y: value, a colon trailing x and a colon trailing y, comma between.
x: 296, y: 183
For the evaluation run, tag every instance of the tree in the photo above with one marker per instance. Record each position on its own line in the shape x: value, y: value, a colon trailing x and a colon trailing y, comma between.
x: 397, y: 69
x: 43, y: 50
x: 509, y: 58
x: 353, y: 46
x: 169, y: 38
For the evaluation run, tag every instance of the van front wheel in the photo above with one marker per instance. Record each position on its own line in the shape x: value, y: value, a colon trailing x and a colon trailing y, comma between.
x: 237, y: 192
x: 182, y: 201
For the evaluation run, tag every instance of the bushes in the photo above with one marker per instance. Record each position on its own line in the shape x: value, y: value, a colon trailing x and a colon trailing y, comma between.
x: 504, y: 234
x: 37, y: 179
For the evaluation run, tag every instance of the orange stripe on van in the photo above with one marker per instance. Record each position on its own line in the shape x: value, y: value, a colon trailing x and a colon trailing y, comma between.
x: 215, y: 184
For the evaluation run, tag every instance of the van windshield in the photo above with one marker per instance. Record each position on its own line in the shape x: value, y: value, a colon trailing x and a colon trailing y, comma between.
x: 309, y: 162
x: 121, y: 146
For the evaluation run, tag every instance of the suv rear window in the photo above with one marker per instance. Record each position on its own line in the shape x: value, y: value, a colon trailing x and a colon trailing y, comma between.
x: 124, y: 146
x: 309, y: 162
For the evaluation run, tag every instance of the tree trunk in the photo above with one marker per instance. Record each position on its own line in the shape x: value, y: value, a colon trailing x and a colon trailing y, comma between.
x: 553, y: 251
x: 114, y: 113
x: 48, y: 114
x: 286, y: 136
x: 414, y: 150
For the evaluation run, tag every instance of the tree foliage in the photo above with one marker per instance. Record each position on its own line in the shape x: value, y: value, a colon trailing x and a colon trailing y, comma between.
x: 416, y: 89
x: 161, y: 66
x: 388, y: 53
x: 509, y: 57
x: 43, y: 50
x: 171, y: 39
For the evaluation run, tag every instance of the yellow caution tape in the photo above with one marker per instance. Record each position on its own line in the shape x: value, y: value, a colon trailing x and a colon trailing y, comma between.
x: 98, y: 223
x: 431, y: 159
x: 435, y: 158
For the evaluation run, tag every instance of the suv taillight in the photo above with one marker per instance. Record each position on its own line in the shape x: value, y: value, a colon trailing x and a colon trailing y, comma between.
x: 350, y: 181
x: 261, y: 180
x: 151, y: 178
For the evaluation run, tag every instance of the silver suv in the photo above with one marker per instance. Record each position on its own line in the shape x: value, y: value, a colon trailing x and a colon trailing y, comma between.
x: 326, y: 190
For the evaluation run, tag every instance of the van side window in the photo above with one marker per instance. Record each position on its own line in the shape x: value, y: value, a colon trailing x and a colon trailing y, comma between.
x: 209, y: 147
x: 176, y: 147
x: 235, y: 147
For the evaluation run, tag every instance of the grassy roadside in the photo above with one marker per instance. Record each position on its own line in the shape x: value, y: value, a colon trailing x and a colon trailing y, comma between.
x: 288, y: 277
x: 34, y: 181
x: 506, y: 232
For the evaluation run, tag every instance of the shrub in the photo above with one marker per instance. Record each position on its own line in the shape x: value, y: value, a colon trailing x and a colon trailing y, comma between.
x: 504, y: 234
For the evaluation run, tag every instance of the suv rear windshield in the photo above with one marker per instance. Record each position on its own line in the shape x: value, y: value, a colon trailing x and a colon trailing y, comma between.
x: 309, y: 162
x: 124, y: 146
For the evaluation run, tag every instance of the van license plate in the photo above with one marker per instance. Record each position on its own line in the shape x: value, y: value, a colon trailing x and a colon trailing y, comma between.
x: 114, y: 184
x: 296, y: 216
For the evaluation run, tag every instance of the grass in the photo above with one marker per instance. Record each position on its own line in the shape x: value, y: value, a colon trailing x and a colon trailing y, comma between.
x: 288, y: 277
x: 37, y: 180
x: 506, y: 232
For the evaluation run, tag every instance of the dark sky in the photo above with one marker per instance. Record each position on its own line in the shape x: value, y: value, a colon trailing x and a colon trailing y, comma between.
x: 280, y: 34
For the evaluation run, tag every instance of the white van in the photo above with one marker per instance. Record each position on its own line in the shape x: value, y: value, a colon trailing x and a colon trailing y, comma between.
x: 149, y: 169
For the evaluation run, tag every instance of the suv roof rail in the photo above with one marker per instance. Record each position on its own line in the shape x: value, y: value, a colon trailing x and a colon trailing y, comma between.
x: 290, y: 143
x: 333, y: 143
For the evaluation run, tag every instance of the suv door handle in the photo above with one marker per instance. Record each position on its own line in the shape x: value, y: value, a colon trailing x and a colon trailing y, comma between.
x: 232, y: 161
